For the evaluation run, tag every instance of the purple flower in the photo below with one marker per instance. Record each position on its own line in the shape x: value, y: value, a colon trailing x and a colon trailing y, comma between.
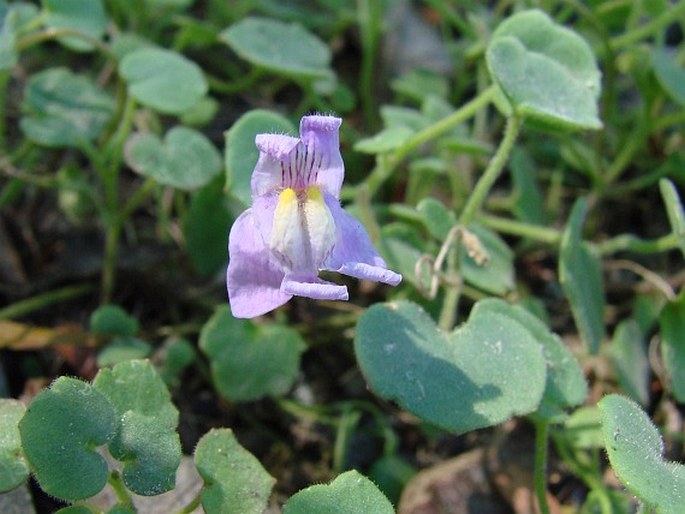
x: 296, y: 226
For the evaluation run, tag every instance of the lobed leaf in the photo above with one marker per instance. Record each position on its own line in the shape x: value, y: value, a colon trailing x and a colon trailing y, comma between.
x: 489, y: 369
x: 250, y: 361
x: 64, y: 109
x: 242, y: 154
x: 546, y: 71
x: 13, y: 468
x: 349, y: 493
x: 146, y: 440
x: 635, y: 450
x: 565, y: 386
x: 163, y: 80
x: 235, y: 481
x: 60, y: 432
x: 185, y: 159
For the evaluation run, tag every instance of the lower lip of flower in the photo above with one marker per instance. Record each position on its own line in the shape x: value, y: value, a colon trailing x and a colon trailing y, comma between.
x: 303, y: 232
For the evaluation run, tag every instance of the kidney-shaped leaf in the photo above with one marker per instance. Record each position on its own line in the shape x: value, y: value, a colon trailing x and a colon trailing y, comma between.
x: 62, y: 109
x: 349, y: 493
x: 250, y: 361
x: 146, y: 440
x: 241, y: 152
x: 566, y: 385
x: 285, y: 48
x: 13, y: 467
x: 487, y: 370
x: 186, y: 159
x: 235, y: 481
x: 163, y: 80
x: 60, y: 432
x: 636, y: 452
x: 546, y: 71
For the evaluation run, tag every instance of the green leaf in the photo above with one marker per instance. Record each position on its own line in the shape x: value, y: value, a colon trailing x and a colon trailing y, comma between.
x: 529, y: 201
x: 497, y: 275
x: 12, y: 18
x: 636, y: 450
x: 242, y: 154
x: 583, y: 429
x: 186, y: 159
x: 63, y: 109
x: 439, y: 220
x: 206, y: 225
x: 385, y: 141
x: 163, y: 80
x: 284, y: 48
x: 670, y: 75
x: 13, y: 468
x: 672, y: 324
x: 400, y: 247
x: 85, y: 16
x: 421, y: 83
x: 629, y: 358
x: 146, y: 440
x: 566, y: 386
x: 581, y: 278
x: 674, y: 210
x: 112, y: 320
x: 546, y: 71
x: 489, y: 369
x: 250, y: 361
x: 123, y: 349
x: 349, y: 493
x: 60, y: 432
x: 235, y: 481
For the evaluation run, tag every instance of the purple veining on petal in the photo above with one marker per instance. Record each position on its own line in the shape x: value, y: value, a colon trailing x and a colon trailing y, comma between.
x: 296, y: 225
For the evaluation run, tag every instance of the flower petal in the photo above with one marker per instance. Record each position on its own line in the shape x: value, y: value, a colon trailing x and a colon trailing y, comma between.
x: 274, y: 149
x: 253, y: 277
x: 320, y: 134
x: 313, y: 287
x: 353, y: 253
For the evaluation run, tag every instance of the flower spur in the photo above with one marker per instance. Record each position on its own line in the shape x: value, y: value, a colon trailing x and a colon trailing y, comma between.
x: 296, y: 226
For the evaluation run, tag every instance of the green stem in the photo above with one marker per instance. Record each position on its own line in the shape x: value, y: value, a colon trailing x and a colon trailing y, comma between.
x: 120, y: 489
x: 540, y: 469
x: 521, y: 229
x: 109, y: 260
x: 4, y: 81
x: 465, y: 112
x: 231, y: 87
x: 492, y: 172
x: 52, y: 34
x: 670, y: 15
x: 632, y: 243
x: 386, y: 164
x: 624, y: 157
x: 43, y: 300
x: 369, y: 14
